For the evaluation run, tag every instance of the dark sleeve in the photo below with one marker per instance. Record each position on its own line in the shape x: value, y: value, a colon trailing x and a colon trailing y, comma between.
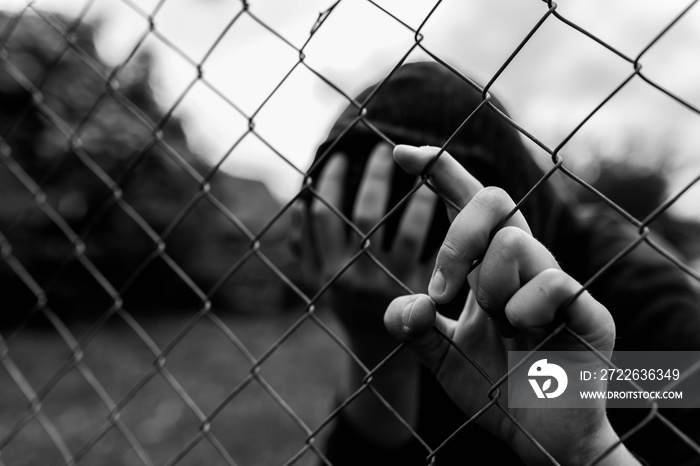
x: 654, y: 304
x: 345, y: 446
x: 439, y: 418
x: 656, y: 308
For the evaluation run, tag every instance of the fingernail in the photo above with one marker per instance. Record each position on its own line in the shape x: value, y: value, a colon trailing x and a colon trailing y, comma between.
x: 406, y: 316
x: 437, y: 284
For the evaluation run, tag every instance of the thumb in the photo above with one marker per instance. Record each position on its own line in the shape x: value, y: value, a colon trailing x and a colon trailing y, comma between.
x: 414, y: 320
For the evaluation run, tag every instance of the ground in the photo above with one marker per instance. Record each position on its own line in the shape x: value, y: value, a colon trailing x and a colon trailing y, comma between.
x: 206, y: 363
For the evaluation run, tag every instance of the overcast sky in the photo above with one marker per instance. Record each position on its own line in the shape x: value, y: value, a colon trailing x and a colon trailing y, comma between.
x: 557, y: 79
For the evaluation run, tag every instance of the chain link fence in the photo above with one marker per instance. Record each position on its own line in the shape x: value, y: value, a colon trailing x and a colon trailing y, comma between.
x: 110, y: 223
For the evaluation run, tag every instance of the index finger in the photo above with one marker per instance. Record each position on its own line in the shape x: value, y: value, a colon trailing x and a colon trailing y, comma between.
x: 449, y: 177
x: 328, y: 228
x: 373, y: 193
x: 482, y: 211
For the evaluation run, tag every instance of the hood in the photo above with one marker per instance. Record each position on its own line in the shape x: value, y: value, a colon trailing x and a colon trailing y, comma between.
x: 424, y: 104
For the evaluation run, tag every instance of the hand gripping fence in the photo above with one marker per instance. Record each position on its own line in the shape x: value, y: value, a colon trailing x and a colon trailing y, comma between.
x: 70, y: 263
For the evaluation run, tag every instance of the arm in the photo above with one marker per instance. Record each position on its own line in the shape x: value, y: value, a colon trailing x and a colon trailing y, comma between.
x: 655, y: 309
x: 520, y: 287
x: 641, y: 287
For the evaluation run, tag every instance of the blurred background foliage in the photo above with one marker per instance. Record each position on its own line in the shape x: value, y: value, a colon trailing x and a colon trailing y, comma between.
x: 85, y: 146
x: 92, y: 143
x: 637, y: 177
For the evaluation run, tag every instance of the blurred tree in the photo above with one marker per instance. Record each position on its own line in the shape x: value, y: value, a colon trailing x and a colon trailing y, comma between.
x: 73, y: 134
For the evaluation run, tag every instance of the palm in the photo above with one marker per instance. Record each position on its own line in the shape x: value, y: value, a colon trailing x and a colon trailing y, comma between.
x: 367, y: 283
x: 360, y: 295
x: 475, y: 336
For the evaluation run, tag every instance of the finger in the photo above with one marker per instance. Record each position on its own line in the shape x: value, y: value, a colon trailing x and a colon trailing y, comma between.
x: 512, y: 259
x: 450, y: 178
x: 413, y: 231
x: 373, y: 193
x: 297, y: 228
x: 413, y: 319
x: 538, y: 304
x: 468, y: 239
x: 328, y: 229
x: 301, y: 246
x: 299, y: 234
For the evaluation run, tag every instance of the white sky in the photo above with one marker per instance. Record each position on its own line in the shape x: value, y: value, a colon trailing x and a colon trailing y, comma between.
x: 556, y: 80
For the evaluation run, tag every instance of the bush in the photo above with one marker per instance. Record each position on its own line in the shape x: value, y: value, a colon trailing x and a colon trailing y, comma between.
x: 92, y: 153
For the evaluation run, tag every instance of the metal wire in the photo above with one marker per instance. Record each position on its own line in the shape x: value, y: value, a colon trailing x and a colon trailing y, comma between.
x: 118, y: 309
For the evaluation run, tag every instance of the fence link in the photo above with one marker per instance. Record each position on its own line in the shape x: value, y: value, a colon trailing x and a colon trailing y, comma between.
x: 90, y: 161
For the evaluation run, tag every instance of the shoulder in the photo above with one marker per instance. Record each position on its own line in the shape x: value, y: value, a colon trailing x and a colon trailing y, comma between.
x: 608, y: 237
x: 641, y: 279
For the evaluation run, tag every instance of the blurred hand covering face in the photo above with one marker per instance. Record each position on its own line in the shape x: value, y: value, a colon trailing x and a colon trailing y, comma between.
x: 362, y: 288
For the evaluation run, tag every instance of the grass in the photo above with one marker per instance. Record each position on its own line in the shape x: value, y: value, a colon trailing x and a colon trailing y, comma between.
x: 249, y: 423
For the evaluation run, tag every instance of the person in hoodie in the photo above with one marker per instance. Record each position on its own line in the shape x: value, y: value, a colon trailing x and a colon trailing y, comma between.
x: 651, y: 301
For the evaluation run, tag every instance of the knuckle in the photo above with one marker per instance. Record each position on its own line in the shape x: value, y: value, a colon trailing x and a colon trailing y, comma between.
x: 485, y: 299
x: 545, y: 290
x: 557, y: 281
x: 509, y: 240
x: 554, y: 286
x: 450, y: 251
x: 492, y: 197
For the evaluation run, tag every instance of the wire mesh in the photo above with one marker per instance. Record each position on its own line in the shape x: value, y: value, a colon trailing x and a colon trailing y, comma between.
x: 40, y: 430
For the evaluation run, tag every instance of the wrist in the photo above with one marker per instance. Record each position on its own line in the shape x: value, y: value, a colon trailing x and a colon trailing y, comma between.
x: 592, y: 442
x: 603, y: 447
